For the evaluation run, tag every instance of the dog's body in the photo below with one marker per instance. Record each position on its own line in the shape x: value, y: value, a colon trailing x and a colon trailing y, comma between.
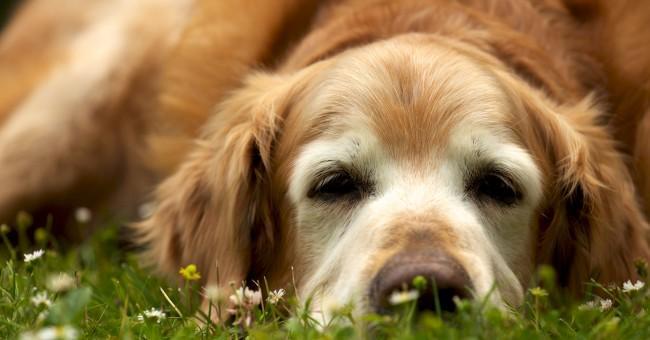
x: 463, y: 140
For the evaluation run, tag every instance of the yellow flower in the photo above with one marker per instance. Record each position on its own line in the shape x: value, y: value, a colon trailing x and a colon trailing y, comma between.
x: 538, y: 292
x: 190, y: 273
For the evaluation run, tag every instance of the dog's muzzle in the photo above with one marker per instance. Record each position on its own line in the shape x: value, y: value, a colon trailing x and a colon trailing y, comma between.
x: 445, y: 278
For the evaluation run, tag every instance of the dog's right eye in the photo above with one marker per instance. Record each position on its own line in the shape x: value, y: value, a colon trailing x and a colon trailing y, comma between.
x: 497, y: 186
x: 336, y: 186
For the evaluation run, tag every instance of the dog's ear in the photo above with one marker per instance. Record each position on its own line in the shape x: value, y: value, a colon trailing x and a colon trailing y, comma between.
x: 215, y: 210
x: 592, y: 225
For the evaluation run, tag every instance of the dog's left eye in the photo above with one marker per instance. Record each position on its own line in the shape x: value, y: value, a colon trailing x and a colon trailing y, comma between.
x: 339, y: 185
x: 497, y: 187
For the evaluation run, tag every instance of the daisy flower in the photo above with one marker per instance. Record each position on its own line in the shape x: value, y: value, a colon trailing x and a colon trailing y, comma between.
x: 190, y: 273
x: 60, y: 282
x: 213, y: 293
x: 538, y: 292
x: 51, y: 333
x: 41, y: 299
x: 628, y: 286
x: 246, y: 296
x: 34, y: 256
x: 83, y: 215
x: 275, y: 296
x: 246, y: 300
x: 605, y: 304
x: 588, y: 305
x: 400, y: 297
x: 152, y: 313
x: 602, y: 304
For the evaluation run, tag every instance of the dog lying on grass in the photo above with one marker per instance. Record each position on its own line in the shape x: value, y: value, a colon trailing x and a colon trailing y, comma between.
x: 347, y: 146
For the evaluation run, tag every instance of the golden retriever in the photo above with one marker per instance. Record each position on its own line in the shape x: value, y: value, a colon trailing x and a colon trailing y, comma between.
x: 343, y: 146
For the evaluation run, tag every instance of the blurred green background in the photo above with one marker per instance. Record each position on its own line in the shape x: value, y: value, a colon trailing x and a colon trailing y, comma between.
x: 6, y: 8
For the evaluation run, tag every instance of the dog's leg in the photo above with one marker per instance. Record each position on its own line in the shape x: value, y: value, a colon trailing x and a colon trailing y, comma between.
x: 65, y: 142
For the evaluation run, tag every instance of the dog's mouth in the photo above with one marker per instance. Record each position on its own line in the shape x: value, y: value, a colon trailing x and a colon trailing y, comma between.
x: 431, y: 279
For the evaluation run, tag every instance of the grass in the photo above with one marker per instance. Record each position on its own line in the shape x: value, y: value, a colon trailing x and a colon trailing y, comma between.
x: 97, y: 290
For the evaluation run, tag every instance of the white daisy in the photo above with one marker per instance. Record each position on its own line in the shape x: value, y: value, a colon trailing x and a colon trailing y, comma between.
x: 152, y: 314
x: 52, y: 333
x: 60, y: 282
x: 34, y: 256
x: 602, y: 304
x: 245, y: 295
x: 400, y: 297
x: 628, y: 286
x: 275, y: 296
x: 41, y: 299
x: 255, y: 297
x: 83, y: 215
x: 588, y: 305
x: 213, y: 293
x: 605, y: 304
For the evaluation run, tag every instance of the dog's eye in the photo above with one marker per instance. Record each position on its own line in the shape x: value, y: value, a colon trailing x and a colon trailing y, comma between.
x: 335, y: 186
x: 496, y: 187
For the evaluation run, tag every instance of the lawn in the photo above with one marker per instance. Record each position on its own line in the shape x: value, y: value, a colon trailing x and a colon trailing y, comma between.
x: 97, y: 290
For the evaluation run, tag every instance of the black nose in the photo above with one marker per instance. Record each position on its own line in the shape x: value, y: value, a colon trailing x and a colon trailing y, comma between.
x: 445, y: 279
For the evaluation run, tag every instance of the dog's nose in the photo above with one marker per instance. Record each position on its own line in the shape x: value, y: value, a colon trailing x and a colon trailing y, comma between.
x: 445, y: 279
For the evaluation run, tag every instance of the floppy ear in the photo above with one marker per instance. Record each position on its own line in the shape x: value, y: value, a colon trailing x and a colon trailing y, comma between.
x: 215, y: 210
x: 592, y: 226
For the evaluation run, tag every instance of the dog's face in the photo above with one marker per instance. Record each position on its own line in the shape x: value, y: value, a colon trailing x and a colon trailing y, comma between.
x: 412, y: 156
x: 414, y: 170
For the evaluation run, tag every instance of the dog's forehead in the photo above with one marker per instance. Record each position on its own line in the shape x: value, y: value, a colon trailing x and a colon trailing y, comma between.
x: 412, y: 96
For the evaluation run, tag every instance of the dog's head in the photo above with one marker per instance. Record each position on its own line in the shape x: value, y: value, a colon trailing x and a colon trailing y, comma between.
x: 411, y: 156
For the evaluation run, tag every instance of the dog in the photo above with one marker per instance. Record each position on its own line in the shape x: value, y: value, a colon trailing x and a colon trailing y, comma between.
x: 341, y: 148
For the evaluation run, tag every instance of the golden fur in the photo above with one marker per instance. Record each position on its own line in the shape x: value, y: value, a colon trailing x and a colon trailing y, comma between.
x: 576, y: 75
